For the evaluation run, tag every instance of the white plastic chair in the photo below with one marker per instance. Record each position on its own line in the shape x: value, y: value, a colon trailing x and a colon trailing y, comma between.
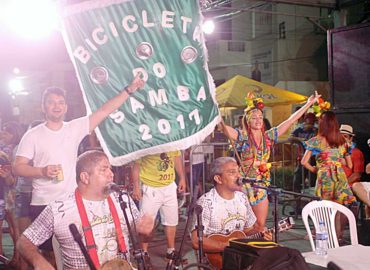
x: 326, y: 211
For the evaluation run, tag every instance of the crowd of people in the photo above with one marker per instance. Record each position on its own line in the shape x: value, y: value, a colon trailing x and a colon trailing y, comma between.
x: 46, y: 186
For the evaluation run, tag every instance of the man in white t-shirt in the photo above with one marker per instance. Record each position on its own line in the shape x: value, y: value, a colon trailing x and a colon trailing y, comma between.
x: 104, y: 220
x: 225, y: 208
x: 52, y: 147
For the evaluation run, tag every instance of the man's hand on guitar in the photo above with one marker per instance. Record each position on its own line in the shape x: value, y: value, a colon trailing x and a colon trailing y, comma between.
x: 267, y: 235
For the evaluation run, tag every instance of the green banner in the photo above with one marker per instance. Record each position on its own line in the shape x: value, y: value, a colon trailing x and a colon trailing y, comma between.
x: 110, y: 41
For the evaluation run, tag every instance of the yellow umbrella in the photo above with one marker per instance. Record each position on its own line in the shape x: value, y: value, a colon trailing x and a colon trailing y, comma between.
x: 233, y: 92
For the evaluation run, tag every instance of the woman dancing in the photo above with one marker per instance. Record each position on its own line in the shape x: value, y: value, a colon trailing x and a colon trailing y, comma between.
x: 330, y: 151
x: 255, y: 144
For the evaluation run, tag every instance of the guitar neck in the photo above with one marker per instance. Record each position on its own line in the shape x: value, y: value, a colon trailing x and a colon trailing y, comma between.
x: 259, y: 234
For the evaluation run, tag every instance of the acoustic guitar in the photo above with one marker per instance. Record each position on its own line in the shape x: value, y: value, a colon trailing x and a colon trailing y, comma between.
x: 215, y: 258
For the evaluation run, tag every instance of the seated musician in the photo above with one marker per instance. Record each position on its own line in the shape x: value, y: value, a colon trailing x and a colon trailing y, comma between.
x: 225, y: 208
x: 89, y: 207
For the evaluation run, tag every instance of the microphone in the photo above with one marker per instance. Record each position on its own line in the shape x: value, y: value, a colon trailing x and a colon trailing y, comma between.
x: 78, y: 238
x: 333, y: 266
x: 241, y: 181
x: 113, y: 187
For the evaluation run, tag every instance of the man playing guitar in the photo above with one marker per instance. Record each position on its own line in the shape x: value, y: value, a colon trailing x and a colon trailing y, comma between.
x: 225, y: 208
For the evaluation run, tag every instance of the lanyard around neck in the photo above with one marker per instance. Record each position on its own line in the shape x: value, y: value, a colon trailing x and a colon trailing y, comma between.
x: 87, y: 230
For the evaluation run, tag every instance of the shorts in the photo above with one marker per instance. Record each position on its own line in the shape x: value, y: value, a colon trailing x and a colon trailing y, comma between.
x: 35, y: 211
x: 23, y: 204
x: 163, y: 199
x: 2, y: 209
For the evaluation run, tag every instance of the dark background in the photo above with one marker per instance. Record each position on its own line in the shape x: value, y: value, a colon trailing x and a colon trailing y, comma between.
x: 349, y: 74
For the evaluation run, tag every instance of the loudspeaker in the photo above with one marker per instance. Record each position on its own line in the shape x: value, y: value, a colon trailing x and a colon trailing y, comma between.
x: 363, y: 233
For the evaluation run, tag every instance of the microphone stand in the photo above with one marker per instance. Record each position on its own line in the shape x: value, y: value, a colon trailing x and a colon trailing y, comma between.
x: 275, y: 191
x: 138, y: 253
x: 199, y: 227
x: 4, y: 259
x: 177, y: 256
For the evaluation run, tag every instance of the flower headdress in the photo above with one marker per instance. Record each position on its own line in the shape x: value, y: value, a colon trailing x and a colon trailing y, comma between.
x: 253, y: 103
x: 321, y: 106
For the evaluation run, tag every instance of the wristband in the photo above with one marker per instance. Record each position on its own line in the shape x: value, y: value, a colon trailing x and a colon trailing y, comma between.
x: 128, y: 91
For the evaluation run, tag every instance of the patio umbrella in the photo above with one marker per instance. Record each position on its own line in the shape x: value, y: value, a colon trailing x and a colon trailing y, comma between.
x: 233, y: 92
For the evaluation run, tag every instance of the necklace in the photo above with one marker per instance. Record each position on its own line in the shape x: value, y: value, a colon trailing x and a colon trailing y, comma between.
x: 258, y: 149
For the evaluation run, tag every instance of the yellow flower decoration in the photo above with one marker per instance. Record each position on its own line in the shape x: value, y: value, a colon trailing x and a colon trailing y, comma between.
x: 321, y: 106
x: 253, y: 102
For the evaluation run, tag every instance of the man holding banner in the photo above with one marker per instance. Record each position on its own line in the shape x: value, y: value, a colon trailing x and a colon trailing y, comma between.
x: 53, y: 146
x: 163, y: 40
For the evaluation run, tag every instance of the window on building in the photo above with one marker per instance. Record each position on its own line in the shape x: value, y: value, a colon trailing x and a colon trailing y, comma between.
x: 282, y: 30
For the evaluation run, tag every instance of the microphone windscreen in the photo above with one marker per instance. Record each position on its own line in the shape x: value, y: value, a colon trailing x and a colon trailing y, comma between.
x: 113, y: 187
x: 333, y: 266
x: 239, y: 181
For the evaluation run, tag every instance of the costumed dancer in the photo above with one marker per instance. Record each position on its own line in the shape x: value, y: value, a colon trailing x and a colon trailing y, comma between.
x: 330, y: 151
x: 255, y: 144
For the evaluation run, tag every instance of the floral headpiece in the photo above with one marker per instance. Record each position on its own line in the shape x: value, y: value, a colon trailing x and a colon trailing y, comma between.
x: 253, y: 103
x: 320, y: 106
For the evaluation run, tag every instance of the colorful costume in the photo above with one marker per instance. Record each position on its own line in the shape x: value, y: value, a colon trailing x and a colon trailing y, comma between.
x: 250, y: 153
x: 303, y: 133
x: 331, y: 183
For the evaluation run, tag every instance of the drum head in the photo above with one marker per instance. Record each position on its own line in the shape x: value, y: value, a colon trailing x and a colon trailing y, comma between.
x: 116, y: 264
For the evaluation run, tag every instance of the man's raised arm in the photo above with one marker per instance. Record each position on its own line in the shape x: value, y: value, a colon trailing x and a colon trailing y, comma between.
x: 114, y: 103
